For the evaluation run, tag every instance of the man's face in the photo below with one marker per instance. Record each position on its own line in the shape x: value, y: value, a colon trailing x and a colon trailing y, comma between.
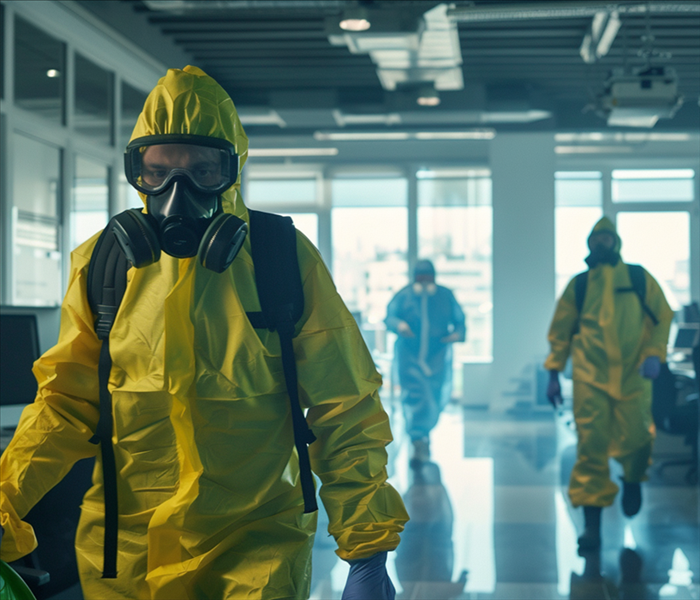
x: 603, y: 240
x: 202, y: 163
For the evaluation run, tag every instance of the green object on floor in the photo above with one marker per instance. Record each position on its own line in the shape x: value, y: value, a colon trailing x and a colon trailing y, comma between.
x: 12, y: 586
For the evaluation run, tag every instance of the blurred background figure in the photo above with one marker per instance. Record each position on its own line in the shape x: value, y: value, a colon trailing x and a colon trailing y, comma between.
x: 614, y: 321
x: 425, y: 560
x: 428, y: 320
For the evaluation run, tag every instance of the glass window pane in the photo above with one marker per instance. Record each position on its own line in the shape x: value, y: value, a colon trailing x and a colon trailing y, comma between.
x: 35, y: 228
x: 455, y: 192
x: 89, y: 212
x: 128, y: 196
x: 369, y: 258
x: 578, y: 197
x: 132, y: 104
x: 93, y: 101
x: 276, y: 192
x: 653, y: 185
x: 455, y: 232
x: 578, y: 188
x: 2, y: 52
x: 369, y: 192
x: 39, y: 71
x: 660, y: 242
x: 307, y: 223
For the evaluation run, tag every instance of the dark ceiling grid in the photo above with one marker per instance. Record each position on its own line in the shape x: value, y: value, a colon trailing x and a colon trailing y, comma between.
x: 254, y: 53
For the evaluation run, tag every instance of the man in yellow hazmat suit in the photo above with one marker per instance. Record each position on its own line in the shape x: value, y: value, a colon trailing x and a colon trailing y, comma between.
x: 210, y: 504
x: 617, y: 343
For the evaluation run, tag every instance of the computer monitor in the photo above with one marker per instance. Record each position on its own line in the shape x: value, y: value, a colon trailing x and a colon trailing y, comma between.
x: 687, y: 337
x: 19, y: 348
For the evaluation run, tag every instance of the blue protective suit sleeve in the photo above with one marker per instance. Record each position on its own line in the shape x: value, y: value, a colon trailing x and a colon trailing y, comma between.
x: 393, y: 312
x: 458, y: 318
x: 368, y: 579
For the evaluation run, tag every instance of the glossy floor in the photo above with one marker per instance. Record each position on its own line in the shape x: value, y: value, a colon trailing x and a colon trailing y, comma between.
x: 491, y: 519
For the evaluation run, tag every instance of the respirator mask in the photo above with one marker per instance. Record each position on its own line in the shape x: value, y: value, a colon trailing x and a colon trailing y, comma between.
x: 183, y: 177
x: 602, y: 249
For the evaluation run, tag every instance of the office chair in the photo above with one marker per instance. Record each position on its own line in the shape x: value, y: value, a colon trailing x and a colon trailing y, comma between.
x: 675, y: 411
x: 52, y: 567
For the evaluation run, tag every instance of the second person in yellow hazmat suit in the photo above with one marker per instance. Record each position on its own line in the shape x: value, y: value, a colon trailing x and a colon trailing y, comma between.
x: 616, y: 343
x: 210, y: 504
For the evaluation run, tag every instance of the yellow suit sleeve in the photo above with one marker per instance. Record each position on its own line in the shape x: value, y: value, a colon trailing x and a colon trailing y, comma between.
x: 339, y: 385
x: 562, y: 328
x: 53, y: 432
x: 656, y: 339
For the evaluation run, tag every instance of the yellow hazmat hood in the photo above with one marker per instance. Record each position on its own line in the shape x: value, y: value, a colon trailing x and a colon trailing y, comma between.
x: 606, y: 224
x: 189, y: 101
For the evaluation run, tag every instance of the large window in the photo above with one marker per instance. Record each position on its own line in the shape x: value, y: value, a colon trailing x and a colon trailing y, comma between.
x: 89, y: 212
x: 35, y: 214
x: 653, y: 220
x: 39, y: 71
x: 455, y: 231
x: 131, y: 107
x: 660, y: 242
x: 652, y: 185
x: 369, y: 229
x: 270, y: 193
x: 93, y: 101
x: 579, y: 206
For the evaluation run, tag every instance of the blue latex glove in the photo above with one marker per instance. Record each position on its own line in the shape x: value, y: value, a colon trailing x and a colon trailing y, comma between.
x: 651, y: 367
x: 368, y: 580
x: 554, y: 389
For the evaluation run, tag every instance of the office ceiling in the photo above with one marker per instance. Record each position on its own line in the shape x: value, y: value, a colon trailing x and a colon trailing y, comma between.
x: 521, y: 66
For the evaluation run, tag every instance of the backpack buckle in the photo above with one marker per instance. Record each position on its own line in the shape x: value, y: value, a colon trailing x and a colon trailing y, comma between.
x: 105, y: 320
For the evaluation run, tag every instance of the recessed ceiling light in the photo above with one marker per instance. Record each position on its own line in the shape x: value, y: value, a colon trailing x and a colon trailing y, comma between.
x: 53, y: 73
x: 355, y: 24
x: 428, y: 96
x: 354, y: 19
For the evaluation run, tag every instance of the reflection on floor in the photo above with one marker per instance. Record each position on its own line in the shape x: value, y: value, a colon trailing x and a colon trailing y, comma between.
x: 491, y: 519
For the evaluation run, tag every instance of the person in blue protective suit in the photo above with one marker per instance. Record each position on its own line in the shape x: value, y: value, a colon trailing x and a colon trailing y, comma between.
x: 428, y: 320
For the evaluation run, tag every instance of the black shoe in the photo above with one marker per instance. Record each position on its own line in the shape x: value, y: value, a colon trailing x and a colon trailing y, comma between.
x: 631, y: 498
x: 590, y: 538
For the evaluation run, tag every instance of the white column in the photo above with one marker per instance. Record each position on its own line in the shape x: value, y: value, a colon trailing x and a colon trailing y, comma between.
x: 522, y: 166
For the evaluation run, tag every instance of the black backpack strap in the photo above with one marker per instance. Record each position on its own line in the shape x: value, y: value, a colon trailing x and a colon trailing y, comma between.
x: 278, y: 281
x: 639, y: 287
x: 106, y: 286
x: 580, y: 285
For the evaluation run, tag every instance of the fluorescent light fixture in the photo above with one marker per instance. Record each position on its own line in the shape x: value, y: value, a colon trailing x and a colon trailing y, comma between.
x: 653, y: 173
x: 343, y: 119
x: 522, y: 116
x: 257, y: 116
x: 600, y: 36
x: 592, y: 149
x: 629, y: 137
x: 608, y: 36
x: 439, y: 173
x: 363, y: 136
x: 267, y: 152
x: 53, y: 73
x: 354, y: 19
x: 477, y: 134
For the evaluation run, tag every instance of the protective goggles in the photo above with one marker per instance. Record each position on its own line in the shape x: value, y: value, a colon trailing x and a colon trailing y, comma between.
x: 152, y: 162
